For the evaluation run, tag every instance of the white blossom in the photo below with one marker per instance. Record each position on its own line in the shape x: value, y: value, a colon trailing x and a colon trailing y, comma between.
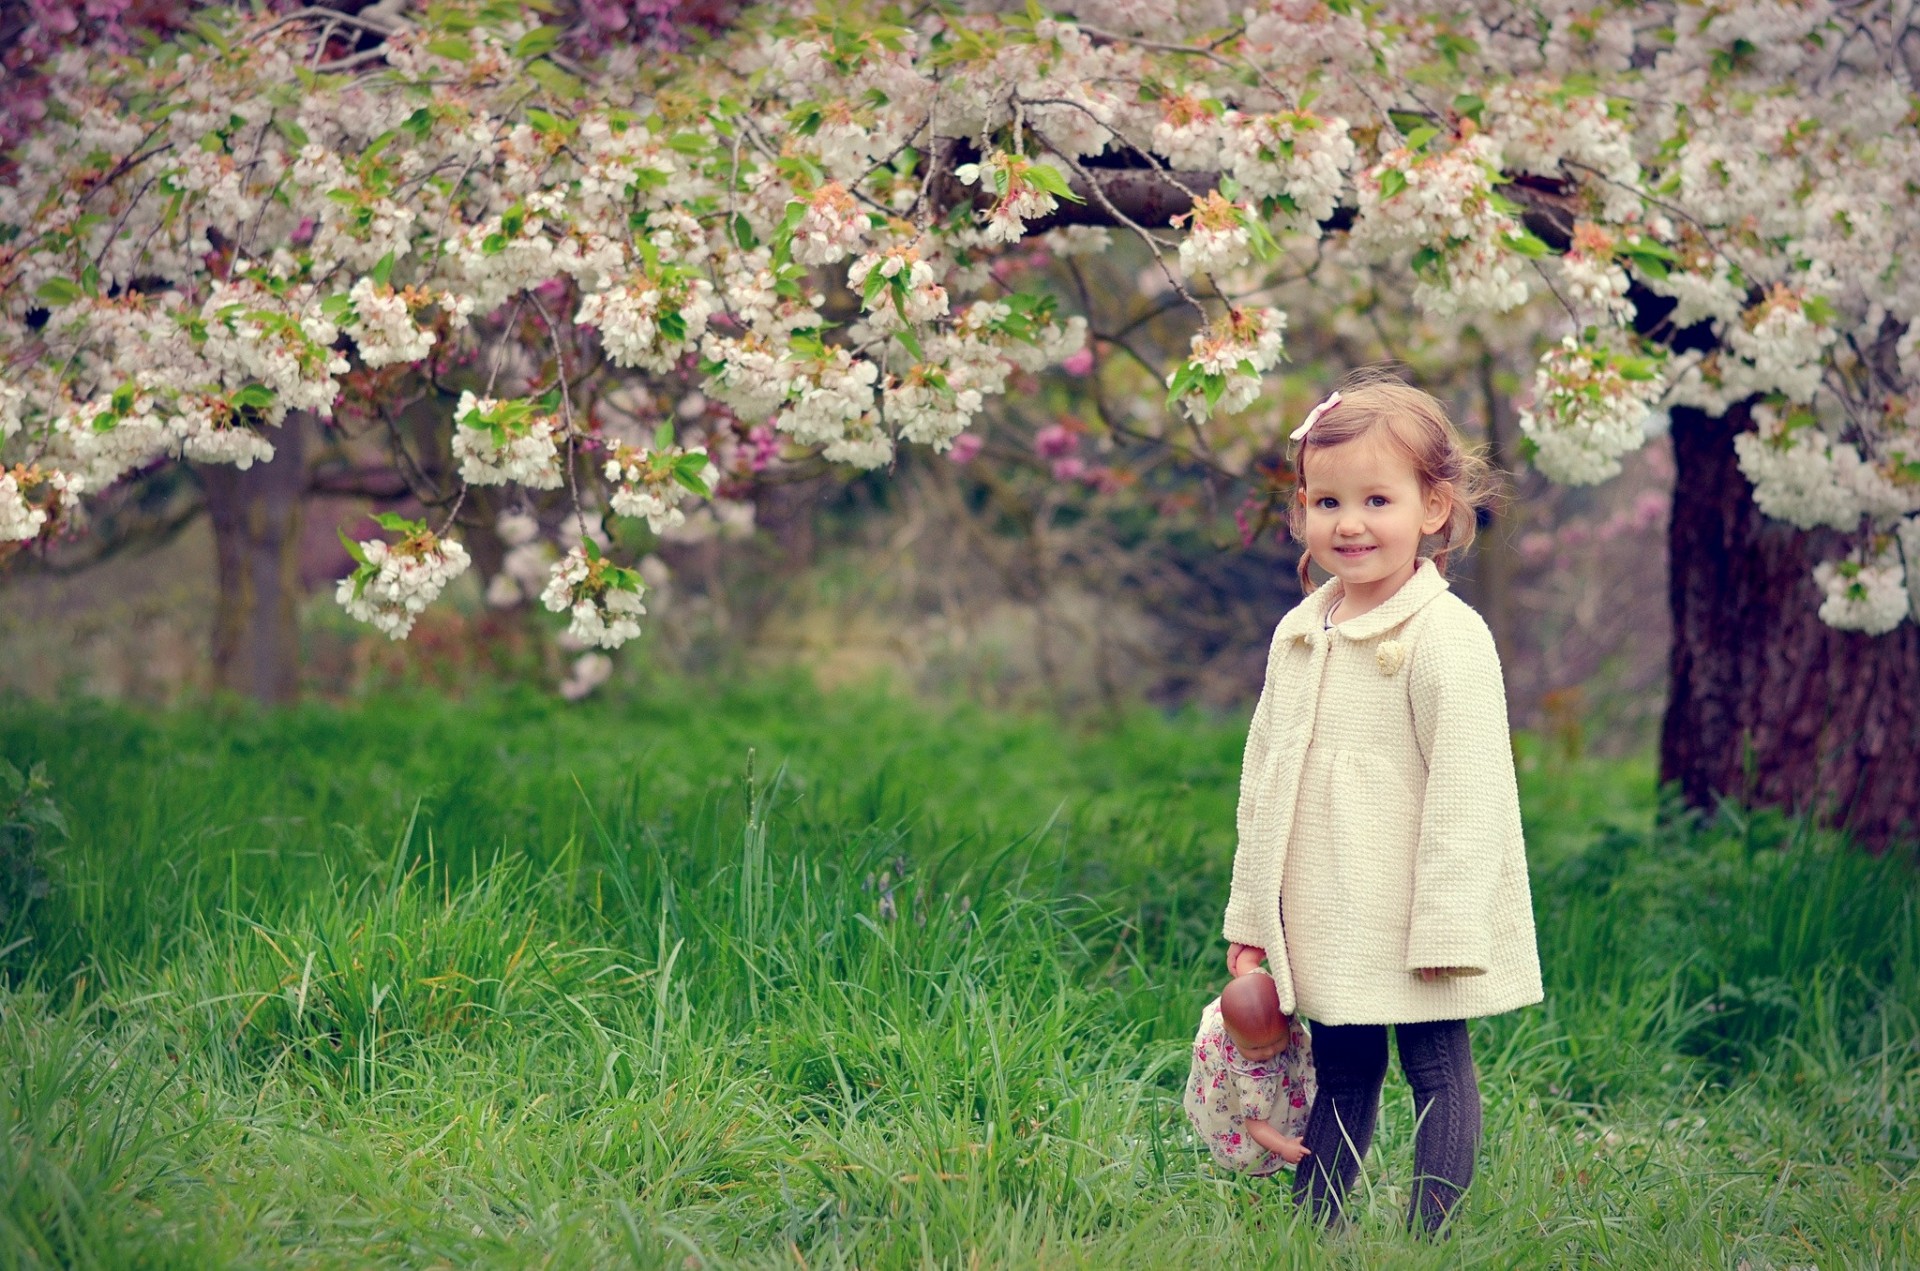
x: 520, y: 447
x: 602, y: 603
x: 396, y: 583
x: 1869, y: 596
x: 1590, y: 406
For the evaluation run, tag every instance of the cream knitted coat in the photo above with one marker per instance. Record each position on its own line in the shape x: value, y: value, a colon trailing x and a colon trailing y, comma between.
x: 1379, y: 820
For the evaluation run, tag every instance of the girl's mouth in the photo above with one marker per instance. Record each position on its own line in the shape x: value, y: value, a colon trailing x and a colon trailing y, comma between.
x: 1353, y: 551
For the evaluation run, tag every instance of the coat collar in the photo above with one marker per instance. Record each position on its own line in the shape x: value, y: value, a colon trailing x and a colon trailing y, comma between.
x: 1308, y: 616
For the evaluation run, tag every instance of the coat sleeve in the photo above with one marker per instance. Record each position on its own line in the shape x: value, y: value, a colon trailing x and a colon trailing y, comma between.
x: 1245, y: 916
x: 1470, y: 815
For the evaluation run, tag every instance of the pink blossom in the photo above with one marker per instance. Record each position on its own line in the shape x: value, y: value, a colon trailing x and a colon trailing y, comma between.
x: 763, y: 447
x: 1079, y: 363
x: 1071, y: 468
x: 1055, y: 441
x: 966, y: 447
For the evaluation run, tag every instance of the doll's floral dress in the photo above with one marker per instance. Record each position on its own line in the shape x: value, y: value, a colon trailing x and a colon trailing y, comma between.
x: 1223, y: 1090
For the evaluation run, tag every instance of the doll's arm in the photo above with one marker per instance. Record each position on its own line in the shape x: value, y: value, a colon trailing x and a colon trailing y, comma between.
x: 1290, y: 1150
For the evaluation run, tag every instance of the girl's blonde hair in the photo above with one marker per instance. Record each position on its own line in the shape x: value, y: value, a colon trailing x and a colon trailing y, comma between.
x: 1419, y: 426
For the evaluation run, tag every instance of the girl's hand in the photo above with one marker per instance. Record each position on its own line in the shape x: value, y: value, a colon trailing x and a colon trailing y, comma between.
x: 1431, y: 973
x: 1242, y: 958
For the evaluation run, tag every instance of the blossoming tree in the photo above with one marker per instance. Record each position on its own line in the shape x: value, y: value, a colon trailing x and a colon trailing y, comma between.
x: 1710, y: 206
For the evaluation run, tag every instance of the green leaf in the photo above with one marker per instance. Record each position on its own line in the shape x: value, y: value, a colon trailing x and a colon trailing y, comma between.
x: 663, y: 435
x: 541, y: 39
x: 58, y: 291
x: 1419, y: 137
x: 382, y: 270
x: 1053, y: 181
x: 1392, y: 181
x: 254, y: 397
x: 353, y: 549
x: 394, y: 523
x: 451, y: 47
x: 911, y: 343
x: 562, y: 85
x: 1526, y: 243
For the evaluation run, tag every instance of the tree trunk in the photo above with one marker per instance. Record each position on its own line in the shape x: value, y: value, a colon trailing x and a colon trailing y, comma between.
x: 256, y: 536
x: 1770, y: 705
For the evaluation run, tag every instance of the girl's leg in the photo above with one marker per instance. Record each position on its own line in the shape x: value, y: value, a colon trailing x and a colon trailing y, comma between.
x: 1350, y: 1062
x: 1438, y: 1062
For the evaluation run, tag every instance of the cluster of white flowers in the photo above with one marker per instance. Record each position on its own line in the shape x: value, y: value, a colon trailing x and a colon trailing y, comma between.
x: 1078, y: 240
x: 1442, y: 204
x: 1779, y: 347
x: 830, y: 392
x: 752, y: 375
x: 1869, y: 596
x: 283, y: 342
x: 1803, y: 475
x: 523, y: 568
x: 1536, y: 126
x: 1296, y: 155
x: 645, y: 484
x: 925, y: 298
x: 20, y: 520
x: 589, y: 672
x: 602, y: 614
x: 1189, y: 131
x: 1592, y: 275
x: 1219, y: 239
x: 1025, y: 199
x: 1237, y: 349
x: 394, y: 584
x: 205, y: 441
x: 649, y: 323
x: 497, y: 446
x: 832, y: 227
x: 1591, y: 404
x: 928, y: 413
x: 863, y: 444
x: 384, y: 328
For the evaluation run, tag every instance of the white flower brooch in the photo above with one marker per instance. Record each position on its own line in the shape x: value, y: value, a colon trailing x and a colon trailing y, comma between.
x: 1390, y: 655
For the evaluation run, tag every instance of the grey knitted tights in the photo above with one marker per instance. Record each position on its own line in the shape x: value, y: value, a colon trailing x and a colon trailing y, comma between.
x: 1350, y: 1063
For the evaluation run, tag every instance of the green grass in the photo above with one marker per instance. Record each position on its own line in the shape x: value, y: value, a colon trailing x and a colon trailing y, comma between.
x: 508, y: 983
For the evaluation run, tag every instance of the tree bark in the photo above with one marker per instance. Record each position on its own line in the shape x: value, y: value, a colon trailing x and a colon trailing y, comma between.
x: 256, y: 517
x: 1769, y: 705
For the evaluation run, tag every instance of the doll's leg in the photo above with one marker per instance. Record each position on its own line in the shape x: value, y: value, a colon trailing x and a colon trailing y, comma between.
x: 1350, y: 1062
x: 1438, y: 1061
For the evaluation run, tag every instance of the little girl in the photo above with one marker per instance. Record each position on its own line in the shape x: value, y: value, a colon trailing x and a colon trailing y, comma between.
x: 1252, y: 1078
x: 1380, y: 868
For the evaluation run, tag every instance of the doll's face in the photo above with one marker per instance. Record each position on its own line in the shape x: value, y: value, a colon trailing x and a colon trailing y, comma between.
x: 1257, y: 1054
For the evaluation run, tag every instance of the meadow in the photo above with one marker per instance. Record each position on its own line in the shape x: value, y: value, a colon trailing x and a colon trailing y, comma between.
x: 752, y: 975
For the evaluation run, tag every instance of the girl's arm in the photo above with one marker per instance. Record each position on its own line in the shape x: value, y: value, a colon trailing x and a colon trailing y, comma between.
x: 1470, y: 817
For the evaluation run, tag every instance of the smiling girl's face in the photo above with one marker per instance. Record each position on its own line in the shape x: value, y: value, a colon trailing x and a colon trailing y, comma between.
x: 1366, y: 512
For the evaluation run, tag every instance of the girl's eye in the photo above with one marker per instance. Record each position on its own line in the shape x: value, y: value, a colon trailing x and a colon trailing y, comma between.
x: 1328, y: 502
x: 1377, y: 501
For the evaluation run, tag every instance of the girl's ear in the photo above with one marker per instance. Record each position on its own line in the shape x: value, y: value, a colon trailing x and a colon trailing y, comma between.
x: 1439, y: 508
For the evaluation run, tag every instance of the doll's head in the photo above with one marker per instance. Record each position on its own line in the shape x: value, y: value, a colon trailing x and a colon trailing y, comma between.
x: 1378, y: 425
x: 1250, y: 1010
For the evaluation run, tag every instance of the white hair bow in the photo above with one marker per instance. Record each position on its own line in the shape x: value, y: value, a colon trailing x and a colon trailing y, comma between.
x: 1313, y: 417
